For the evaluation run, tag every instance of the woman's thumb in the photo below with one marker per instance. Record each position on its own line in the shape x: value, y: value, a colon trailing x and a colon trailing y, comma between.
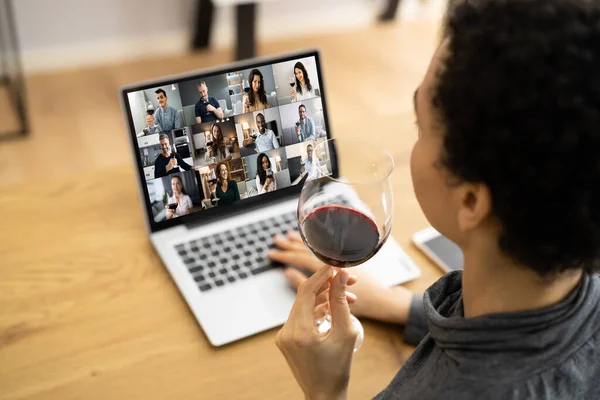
x: 340, y: 312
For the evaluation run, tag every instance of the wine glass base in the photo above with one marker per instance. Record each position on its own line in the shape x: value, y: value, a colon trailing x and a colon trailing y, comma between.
x: 324, y: 326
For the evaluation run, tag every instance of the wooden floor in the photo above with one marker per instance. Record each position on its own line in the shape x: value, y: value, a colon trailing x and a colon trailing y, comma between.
x: 77, y: 123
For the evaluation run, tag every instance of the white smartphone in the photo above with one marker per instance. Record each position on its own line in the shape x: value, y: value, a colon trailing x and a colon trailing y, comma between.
x: 446, y: 254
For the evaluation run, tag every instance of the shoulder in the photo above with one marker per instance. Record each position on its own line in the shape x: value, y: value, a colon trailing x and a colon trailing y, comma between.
x: 214, y: 101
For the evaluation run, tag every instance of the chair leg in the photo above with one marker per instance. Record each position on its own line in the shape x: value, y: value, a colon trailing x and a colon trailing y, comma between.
x: 246, y: 31
x: 203, y: 24
x: 389, y: 14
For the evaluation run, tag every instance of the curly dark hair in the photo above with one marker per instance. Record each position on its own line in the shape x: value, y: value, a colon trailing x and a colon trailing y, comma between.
x: 519, y: 100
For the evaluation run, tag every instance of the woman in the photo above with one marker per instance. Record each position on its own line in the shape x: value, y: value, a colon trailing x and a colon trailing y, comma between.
x: 256, y: 99
x: 218, y: 151
x: 303, y: 89
x: 180, y: 197
x: 265, y: 178
x: 226, y: 189
x: 521, y: 320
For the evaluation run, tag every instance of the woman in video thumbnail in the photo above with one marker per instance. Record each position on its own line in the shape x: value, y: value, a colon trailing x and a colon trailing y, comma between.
x: 179, y: 203
x: 265, y: 179
x: 303, y: 89
x: 226, y: 190
x: 256, y: 98
x: 216, y: 151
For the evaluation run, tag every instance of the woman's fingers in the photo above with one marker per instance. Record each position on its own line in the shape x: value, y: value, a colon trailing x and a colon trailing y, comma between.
x: 308, y: 291
x: 340, y: 312
x: 294, y: 237
x: 298, y: 258
x: 294, y: 277
x: 285, y: 243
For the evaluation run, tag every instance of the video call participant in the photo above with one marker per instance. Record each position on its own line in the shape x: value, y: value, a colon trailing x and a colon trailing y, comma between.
x: 207, y: 108
x: 266, y: 140
x: 305, y: 126
x: 265, y: 178
x: 166, y: 118
x: 225, y: 190
x: 168, y: 162
x: 256, y: 99
x: 303, y: 89
x: 311, y: 165
x: 216, y: 151
x: 180, y: 199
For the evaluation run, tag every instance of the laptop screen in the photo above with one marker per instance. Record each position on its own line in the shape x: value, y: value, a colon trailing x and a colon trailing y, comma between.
x: 212, y: 143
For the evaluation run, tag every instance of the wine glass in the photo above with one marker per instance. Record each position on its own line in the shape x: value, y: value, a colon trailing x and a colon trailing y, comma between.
x: 292, y: 82
x: 345, y: 213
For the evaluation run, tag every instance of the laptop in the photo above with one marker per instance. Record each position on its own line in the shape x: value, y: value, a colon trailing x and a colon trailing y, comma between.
x: 196, y: 139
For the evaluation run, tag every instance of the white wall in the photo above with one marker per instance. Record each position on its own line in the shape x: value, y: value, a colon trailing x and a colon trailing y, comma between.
x: 69, y: 33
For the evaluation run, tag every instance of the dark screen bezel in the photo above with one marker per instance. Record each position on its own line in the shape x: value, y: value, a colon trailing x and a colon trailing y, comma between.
x: 262, y: 200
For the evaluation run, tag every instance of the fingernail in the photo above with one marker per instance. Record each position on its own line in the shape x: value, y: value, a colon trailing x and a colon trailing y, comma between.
x: 343, y: 277
x: 271, y: 253
x: 353, y: 277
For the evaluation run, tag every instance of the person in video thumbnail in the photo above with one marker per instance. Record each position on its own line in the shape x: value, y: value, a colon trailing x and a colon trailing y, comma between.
x: 179, y: 203
x: 305, y: 126
x: 168, y: 162
x: 256, y: 98
x: 265, y: 178
x: 226, y: 189
x: 266, y: 140
x: 207, y: 108
x: 166, y: 118
x: 303, y: 89
x: 216, y: 151
x: 311, y: 165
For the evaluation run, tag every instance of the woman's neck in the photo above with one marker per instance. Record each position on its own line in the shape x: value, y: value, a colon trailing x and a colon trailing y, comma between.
x: 493, y: 283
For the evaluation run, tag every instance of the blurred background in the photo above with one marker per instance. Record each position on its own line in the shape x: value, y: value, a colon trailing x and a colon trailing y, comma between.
x: 75, y: 54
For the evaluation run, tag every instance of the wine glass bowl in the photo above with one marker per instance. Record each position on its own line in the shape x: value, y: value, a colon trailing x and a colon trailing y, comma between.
x: 346, y: 206
x: 338, y: 233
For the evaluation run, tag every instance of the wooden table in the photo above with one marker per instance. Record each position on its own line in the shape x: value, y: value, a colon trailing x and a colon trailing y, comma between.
x: 87, y: 310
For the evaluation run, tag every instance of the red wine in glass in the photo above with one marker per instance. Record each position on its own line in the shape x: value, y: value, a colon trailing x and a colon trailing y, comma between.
x: 346, y: 232
x: 341, y: 236
x: 292, y: 84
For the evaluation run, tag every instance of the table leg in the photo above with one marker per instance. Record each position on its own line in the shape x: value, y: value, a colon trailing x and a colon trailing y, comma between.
x: 390, y: 11
x: 203, y: 24
x: 246, y: 31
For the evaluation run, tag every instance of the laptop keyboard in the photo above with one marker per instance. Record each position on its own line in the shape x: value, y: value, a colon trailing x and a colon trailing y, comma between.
x: 236, y: 254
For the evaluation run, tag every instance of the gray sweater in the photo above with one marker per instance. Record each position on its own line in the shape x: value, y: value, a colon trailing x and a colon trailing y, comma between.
x: 551, y: 353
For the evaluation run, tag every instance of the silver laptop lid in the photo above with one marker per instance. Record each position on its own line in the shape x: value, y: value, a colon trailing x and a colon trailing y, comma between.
x: 226, y: 139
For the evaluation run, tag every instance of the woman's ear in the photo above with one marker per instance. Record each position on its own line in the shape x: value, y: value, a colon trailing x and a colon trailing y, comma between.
x: 475, y: 205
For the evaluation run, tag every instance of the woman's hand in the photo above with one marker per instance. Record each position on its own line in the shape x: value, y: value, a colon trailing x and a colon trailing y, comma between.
x: 374, y: 300
x: 320, y: 362
x: 170, y: 212
x: 293, y: 92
